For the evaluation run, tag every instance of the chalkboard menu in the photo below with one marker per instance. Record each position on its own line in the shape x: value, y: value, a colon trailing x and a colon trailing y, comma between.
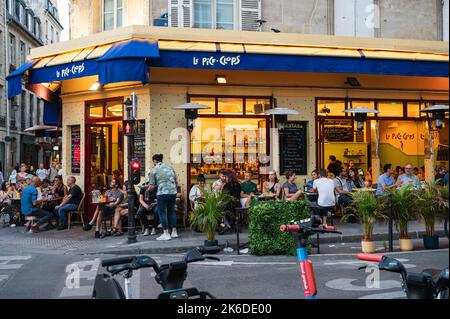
x: 139, y: 144
x: 293, y: 148
x: 338, y: 130
x: 75, y: 151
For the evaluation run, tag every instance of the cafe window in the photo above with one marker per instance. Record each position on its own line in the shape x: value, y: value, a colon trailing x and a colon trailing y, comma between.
x: 390, y: 109
x: 331, y: 107
x: 231, y: 106
x: 256, y: 106
x: 114, y: 109
x: 95, y: 110
x: 208, y: 101
x: 413, y: 109
x: 363, y: 104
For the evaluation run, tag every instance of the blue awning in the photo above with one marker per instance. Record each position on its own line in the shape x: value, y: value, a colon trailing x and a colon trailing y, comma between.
x: 127, y: 61
x: 15, y: 79
x: 300, y: 63
x: 63, y: 72
x: 52, y: 113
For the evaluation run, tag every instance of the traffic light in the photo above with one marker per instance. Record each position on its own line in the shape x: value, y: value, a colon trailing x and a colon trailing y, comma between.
x: 135, y: 172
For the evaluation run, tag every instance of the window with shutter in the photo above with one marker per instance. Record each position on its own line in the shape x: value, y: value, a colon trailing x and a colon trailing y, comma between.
x: 249, y: 13
x: 180, y: 13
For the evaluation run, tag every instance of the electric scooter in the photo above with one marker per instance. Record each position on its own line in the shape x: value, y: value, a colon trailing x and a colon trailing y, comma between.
x: 428, y: 284
x: 170, y: 276
x: 302, y: 230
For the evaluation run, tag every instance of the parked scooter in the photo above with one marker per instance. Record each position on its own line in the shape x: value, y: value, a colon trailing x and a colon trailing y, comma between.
x: 170, y: 276
x: 428, y: 284
x: 302, y: 230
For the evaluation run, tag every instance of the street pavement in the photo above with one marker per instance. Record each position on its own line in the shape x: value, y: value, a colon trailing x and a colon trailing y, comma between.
x: 39, y: 273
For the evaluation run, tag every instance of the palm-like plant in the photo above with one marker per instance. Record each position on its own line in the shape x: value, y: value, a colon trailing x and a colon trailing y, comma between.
x: 208, y: 213
x: 368, y: 209
x: 433, y: 203
x: 404, y: 206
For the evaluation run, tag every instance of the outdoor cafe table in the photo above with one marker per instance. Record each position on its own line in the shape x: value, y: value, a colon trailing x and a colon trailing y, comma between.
x: 266, y: 197
x: 372, y: 190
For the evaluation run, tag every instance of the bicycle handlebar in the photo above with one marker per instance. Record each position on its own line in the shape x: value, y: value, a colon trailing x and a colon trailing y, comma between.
x: 118, y: 261
x: 370, y: 257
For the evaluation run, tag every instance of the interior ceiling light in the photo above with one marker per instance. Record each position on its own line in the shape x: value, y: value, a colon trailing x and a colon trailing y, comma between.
x: 221, y: 79
x: 95, y: 86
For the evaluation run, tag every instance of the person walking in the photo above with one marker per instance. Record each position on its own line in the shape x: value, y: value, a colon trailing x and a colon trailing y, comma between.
x: 164, y: 178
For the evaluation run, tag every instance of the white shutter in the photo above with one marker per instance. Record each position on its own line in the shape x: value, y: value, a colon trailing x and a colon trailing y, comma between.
x: 173, y: 13
x: 249, y: 13
x: 180, y: 13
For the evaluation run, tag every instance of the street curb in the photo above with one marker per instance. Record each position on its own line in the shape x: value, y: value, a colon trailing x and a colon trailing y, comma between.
x: 175, y: 250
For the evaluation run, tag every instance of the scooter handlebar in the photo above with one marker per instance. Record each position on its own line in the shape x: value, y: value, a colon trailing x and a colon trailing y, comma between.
x: 370, y: 257
x: 118, y: 261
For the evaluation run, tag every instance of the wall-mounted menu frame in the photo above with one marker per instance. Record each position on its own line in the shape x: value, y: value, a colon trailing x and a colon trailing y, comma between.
x: 75, y: 158
x: 341, y: 130
x: 139, y: 144
x: 293, y: 148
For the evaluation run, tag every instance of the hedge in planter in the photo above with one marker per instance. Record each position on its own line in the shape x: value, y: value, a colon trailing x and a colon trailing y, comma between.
x: 264, y: 228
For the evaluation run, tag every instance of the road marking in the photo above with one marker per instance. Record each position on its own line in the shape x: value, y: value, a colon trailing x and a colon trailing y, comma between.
x: 10, y: 266
x: 386, y: 295
x: 7, y: 258
x: 346, y: 284
x: 3, y: 277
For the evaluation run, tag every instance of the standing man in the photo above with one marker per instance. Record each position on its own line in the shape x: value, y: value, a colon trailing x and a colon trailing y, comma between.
x: 69, y: 202
x: 164, y: 178
x: 52, y: 172
x: 41, y: 172
x: 326, y: 201
x: 408, y: 178
x: 386, y: 181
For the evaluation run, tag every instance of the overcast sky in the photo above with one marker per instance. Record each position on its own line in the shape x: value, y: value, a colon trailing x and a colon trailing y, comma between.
x: 63, y: 8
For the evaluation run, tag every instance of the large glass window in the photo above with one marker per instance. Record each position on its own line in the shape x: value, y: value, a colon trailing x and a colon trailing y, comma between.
x: 257, y: 106
x: 112, y: 14
x: 95, y: 110
x: 230, y: 106
x: 390, y: 109
x: 12, y: 49
x: 218, y: 14
x: 202, y: 14
x: 331, y: 107
x: 208, y: 101
x: 114, y: 109
x: 363, y: 104
x: 413, y: 109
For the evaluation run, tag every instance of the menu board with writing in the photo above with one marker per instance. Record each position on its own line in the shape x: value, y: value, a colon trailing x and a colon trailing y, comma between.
x: 338, y: 131
x: 75, y: 150
x: 139, y: 144
x: 293, y: 148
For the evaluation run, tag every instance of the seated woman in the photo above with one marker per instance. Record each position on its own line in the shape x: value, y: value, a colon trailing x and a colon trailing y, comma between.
x: 272, y: 186
x: 198, y: 191
x: 290, y: 190
x: 354, y: 180
x: 233, y: 187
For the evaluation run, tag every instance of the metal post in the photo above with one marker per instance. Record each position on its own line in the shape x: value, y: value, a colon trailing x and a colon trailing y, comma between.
x: 130, y: 187
x: 391, y: 222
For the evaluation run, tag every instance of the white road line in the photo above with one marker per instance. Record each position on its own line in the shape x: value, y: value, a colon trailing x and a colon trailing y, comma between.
x: 3, y: 277
x: 10, y: 266
x: 7, y: 258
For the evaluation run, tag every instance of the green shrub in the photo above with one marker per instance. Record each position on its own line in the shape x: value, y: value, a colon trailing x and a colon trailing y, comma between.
x: 264, y: 228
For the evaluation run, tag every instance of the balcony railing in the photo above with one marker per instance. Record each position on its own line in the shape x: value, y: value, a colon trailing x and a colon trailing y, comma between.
x: 23, y: 125
x: 2, y: 121
x: 12, y: 124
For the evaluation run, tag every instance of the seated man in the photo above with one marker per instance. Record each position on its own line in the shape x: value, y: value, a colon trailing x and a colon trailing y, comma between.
x: 69, y: 202
x: 248, y: 190
x: 115, y: 197
x: 30, y: 205
x: 147, y: 201
x: 324, y: 186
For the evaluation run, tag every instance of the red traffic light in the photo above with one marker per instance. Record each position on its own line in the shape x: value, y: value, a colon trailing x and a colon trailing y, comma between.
x: 135, y: 165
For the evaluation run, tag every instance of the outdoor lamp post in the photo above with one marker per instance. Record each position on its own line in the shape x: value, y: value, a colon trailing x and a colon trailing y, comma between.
x: 360, y: 114
x: 191, y: 112
x: 436, y: 114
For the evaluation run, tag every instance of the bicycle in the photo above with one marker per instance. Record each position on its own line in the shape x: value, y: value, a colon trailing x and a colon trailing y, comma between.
x: 170, y: 276
x: 428, y: 284
x: 302, y: 230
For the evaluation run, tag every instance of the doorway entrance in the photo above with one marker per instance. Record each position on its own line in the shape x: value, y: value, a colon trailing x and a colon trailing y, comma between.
x: 104, y: 146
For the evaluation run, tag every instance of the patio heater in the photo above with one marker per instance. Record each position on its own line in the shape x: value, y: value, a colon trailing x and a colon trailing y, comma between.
x: 191, y: 112
x: 280, y: 115
x: 360, y: 114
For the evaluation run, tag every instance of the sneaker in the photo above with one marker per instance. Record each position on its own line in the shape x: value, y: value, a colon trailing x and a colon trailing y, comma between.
x: 153, y: 232
x: 87, y: 227
x: 97, y: 234
x: 164, y: 236
x: 147, y: 232
x: 62, y: 227
x: 174, y: 234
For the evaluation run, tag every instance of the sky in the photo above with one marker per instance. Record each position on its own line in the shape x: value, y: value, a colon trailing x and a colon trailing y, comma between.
x: 63, y: 8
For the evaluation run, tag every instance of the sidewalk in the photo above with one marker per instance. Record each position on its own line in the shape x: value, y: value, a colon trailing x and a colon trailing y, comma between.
x: 77, y: 241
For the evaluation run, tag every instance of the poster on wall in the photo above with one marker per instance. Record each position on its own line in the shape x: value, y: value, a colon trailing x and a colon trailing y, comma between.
x: 75, y: 150
x: 139, y: 144
x: 293, y: 148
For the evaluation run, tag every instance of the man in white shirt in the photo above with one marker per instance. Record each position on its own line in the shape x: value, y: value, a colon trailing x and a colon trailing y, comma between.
x: 217, y: 186
x: 42, y: 172
x: 324, y: 186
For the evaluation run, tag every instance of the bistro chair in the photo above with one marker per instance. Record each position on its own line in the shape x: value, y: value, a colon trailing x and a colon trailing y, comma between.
x: 79, y: 212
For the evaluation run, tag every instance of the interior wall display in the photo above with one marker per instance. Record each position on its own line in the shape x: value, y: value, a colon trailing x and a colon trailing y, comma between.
x: 75, y: 134
x: 139, y: 144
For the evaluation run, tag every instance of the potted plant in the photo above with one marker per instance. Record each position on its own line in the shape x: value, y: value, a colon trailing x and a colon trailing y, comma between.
x: 433, y: 202
x: 403, y: 207
x: 207, y: 215
x: 368, y: 209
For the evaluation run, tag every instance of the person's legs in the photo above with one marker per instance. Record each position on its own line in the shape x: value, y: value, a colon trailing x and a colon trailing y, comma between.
x: 42, y: 215
x: 62, y: 213
x: 162, y: 206
x: 117, y: 218
x: 98, y: 224
x: 171, y: 215
x: 142, y: 213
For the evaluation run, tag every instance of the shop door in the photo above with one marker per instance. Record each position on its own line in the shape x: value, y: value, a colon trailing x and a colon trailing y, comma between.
x: 98, y: 160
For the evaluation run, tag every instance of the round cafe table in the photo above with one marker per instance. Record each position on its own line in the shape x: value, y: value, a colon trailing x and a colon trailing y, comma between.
x: 372, y: 190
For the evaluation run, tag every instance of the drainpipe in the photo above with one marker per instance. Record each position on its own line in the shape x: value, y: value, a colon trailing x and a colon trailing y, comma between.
x: 7, y: 164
